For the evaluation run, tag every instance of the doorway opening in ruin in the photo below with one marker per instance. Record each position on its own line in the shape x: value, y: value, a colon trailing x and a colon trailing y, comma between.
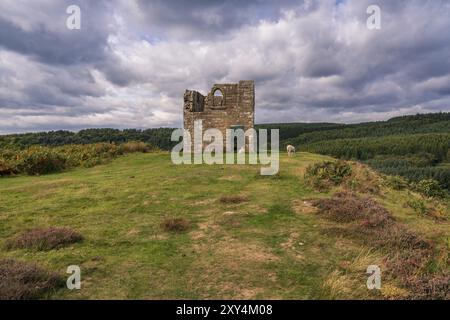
x: 235, y: 138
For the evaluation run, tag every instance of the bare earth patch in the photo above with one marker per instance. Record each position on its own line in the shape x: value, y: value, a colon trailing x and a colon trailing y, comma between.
x: 303, y: 207
x: 231, y: 178
x: 291, y: 241
x: 233, y: 199
x: 230, y: 275
x: 172, y: 224
x: 203, y: 202
x: 245, y: 252
x: 204, y: 229
x: 293, y: 244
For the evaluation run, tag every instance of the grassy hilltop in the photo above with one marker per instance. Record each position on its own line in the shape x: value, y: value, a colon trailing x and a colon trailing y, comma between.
x: 151, y: 229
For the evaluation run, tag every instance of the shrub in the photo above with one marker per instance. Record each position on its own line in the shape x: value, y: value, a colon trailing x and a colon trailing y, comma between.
x: 325, y: 174
x: 418, y: 206
x: 431, y: 286
x: 7, y: 168
x: 172, y: 224
x: 135, y: 146
x: 44, y: 239
x: 20, y: 280
x: 40, y: 160
x: 349, y: 207
x: 233, y: 199
x: 408, y: 253
x: 363, y: 179
x: 396, y: 182
x: 430, y: 188
x: 106, y: 149
x: 89, y: 155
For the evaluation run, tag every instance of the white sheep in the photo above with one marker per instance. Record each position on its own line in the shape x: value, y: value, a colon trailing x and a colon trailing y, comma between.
x: 290, y: 150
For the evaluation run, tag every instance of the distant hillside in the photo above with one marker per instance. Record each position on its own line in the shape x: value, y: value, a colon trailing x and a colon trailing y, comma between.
x: 292, y: 130
x: 313, y: 132
x: 416, y: 147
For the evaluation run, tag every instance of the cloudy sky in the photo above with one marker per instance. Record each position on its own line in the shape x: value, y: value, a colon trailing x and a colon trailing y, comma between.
x: 129, y: 64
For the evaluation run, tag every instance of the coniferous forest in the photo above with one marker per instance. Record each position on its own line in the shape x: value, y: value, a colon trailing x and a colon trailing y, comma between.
x: 415, y: 147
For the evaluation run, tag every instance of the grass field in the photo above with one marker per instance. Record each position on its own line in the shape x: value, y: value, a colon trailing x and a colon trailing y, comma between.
x: 271, y: 246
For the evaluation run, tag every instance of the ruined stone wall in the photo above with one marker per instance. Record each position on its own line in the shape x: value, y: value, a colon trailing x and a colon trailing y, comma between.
x: 233, y: 105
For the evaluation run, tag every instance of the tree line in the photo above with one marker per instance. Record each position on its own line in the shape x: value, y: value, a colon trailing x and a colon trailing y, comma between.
x: 158, y: 137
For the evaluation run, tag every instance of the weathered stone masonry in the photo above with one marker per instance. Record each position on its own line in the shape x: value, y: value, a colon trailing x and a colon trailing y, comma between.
x: 227, y: 106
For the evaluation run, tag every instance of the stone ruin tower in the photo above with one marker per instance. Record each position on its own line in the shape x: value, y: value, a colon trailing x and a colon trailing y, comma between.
x: 226, y: 106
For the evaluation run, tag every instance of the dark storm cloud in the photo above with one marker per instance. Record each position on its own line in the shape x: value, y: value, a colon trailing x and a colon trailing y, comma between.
x: 51, y: 42
x: 208, y: 19
x: 52, y: 47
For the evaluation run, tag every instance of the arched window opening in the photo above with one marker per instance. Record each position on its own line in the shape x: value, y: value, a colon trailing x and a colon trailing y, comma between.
x: 218, y: 97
